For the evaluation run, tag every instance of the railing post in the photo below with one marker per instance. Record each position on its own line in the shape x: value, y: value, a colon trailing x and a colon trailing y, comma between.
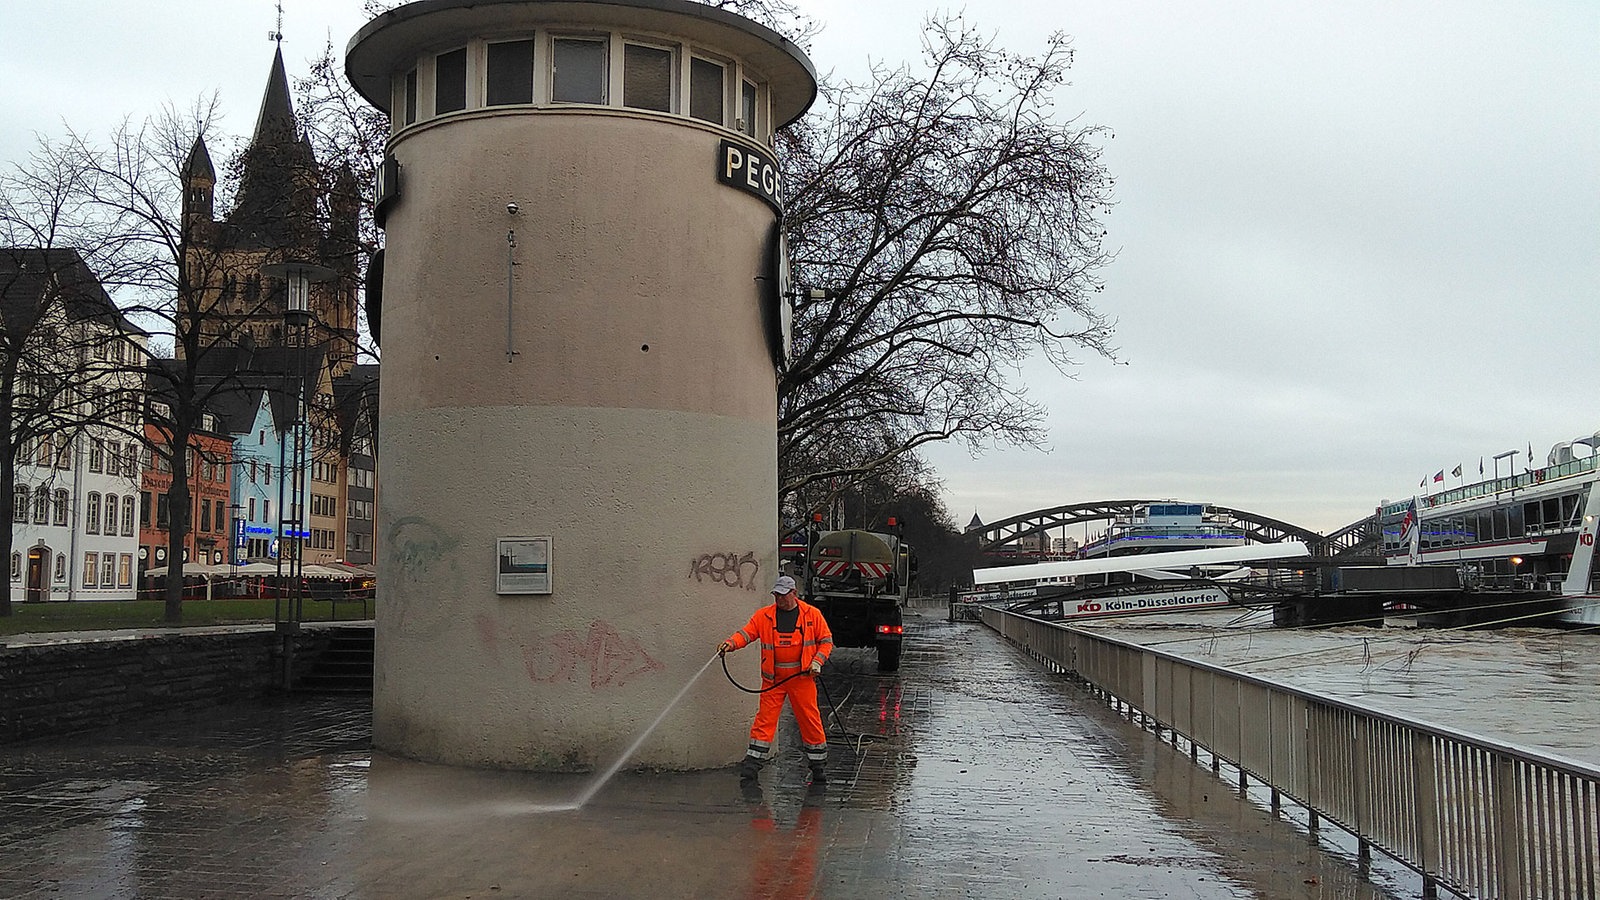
x: 1361, y: 783
x: 1427, y: 811
x: 1508, y: 829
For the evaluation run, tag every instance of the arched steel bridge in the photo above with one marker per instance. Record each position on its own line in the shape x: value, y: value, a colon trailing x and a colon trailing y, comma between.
x: 1359, y: 538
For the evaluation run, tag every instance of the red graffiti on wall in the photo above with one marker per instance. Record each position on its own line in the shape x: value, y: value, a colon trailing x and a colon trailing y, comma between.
x: 610, y: 658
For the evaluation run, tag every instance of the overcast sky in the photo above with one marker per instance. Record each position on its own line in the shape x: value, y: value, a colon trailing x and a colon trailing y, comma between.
x: 1359, y: 242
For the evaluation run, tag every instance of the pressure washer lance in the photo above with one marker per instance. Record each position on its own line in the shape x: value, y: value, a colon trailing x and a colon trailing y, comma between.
x: 859, y: 740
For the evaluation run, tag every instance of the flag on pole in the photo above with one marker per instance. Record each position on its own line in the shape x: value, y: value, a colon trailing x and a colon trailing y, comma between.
x: 1480, y: 465
x: 1411, y: 535
x: 1456, y: 471
x: 1438, y: 476
x: 1423, y: 482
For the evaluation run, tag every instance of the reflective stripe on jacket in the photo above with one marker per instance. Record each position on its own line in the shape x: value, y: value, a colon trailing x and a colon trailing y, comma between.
x: 816, y: 639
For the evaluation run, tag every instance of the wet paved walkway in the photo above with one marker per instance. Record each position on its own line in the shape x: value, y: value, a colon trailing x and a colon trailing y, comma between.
x: 979, y: 777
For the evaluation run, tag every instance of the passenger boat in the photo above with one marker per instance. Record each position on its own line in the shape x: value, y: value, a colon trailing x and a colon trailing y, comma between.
x: 1527, y: 532
x: 1164, y: 528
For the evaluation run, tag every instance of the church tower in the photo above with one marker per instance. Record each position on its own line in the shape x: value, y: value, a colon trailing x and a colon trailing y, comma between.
x: 279, y: 215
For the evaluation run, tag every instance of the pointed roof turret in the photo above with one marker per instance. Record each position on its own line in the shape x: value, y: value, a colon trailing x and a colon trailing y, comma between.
x: 976, y: 522
x: 198, y: 164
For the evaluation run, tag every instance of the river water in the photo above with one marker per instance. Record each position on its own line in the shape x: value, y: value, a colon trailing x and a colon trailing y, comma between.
x: 1531, y: 687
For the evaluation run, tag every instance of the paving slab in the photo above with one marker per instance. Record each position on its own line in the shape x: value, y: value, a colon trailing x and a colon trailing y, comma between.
x: 978, y: 776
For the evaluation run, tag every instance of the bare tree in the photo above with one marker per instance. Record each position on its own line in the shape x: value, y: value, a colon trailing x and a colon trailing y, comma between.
x: 948, y: 226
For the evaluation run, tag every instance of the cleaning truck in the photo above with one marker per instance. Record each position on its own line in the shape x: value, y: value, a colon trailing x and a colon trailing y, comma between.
x: 860, y: 579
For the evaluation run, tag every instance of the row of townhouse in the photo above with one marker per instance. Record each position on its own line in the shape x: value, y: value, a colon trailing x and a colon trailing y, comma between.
x: 91, y: 503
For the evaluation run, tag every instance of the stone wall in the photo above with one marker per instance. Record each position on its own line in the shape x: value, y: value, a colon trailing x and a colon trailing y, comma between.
x: 54, y: 689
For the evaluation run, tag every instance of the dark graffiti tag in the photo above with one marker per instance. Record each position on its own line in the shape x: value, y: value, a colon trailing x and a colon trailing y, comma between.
x: 727, y: 568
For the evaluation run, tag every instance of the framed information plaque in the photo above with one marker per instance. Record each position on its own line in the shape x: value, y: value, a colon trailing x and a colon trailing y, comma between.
x: 524, y: 565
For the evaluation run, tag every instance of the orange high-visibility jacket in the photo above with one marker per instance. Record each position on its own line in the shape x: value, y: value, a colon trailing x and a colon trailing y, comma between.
x: 816, y: 640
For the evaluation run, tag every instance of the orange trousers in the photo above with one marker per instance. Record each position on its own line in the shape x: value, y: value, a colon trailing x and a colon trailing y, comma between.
x: 802, y: 695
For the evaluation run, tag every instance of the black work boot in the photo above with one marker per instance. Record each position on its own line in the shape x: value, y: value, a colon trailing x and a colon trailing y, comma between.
x: 819, y: 773
x: 749, y: 768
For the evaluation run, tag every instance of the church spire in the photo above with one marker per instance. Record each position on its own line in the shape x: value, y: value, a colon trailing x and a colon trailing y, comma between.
x: 277, y: 202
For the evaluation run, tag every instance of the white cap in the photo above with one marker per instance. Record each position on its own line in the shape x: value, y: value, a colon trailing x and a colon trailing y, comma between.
x: 783, y: 585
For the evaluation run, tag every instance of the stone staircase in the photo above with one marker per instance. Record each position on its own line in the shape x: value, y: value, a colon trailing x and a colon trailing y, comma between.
x: 343, y: 664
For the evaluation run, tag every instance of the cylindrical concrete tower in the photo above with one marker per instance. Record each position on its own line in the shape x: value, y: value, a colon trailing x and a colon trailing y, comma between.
x: 577, y: 432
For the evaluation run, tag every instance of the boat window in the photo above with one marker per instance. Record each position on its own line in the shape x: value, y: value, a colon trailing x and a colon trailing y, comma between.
x: 1514, y: 517
x: 1571, y: 510
x: 1531, y: 516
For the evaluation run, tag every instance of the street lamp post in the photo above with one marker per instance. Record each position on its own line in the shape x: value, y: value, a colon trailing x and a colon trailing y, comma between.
x: 236, y: 542
x: 297, y: 315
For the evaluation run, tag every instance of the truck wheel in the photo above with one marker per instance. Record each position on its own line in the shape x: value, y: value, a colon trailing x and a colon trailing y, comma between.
x: 889, y: 656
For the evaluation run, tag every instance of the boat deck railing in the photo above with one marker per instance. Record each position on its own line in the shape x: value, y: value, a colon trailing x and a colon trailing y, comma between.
x: 1509, y: 483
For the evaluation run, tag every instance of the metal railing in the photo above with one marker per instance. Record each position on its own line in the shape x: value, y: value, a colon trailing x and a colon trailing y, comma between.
x: 1478, y: 817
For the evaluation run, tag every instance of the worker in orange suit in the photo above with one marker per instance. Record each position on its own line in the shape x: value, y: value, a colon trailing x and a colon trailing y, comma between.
x: 795, y: 642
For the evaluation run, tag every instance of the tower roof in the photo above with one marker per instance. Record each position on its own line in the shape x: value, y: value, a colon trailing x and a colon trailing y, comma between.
x: 275, y: 121
x: 276, y: 206
x: 198, y: 163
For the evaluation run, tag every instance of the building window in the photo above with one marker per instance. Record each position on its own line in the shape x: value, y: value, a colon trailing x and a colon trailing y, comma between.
x: 144, y: 509
x: 91, y: 569
x: 127, y: 516
x: 205, y: 516
x: 647, y: 77
x: 62, y: 502
x: 252, y: 508
x: 706, y: 80
x: 108, y: 569
x: 41, y: 505
x: 91, y: 519
x: 450, y: 81
x: 61, y: 567
x: 268, y: 472
x: 579, y: 71
x: 510, y: 76
x: 44, y: 451
x: 64, y: 455
x: 163, y: 510
x: 220, y: 522
x: 19, y: 504
x: 125, y: 570
x: 112, y: 506
x: 97, y: 456
x: 16, y: 566
x: 747, y: 108
x: 410, y: 99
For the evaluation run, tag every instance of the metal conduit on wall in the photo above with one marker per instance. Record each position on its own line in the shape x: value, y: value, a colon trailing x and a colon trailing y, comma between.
x: 1477, y: 817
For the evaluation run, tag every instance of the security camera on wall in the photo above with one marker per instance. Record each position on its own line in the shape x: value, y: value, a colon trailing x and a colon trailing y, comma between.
x: 512, y: 208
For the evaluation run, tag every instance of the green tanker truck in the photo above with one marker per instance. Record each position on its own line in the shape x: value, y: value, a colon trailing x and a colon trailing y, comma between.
x: 859, y: 580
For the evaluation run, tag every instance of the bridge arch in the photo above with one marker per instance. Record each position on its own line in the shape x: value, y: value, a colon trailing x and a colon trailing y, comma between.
x: 1357, y: 538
